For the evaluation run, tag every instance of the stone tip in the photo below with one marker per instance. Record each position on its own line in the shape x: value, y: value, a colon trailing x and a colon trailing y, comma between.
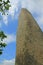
x: 24, y: 13
x: 24, y: 10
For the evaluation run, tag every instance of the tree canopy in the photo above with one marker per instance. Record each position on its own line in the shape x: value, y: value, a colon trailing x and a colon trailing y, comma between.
x: 2, y: 36
x: 4, y: 7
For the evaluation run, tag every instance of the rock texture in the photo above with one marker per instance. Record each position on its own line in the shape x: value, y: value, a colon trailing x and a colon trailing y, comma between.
x: 29, y: 49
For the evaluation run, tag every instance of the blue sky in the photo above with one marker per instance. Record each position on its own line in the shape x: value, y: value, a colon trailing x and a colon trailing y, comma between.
x: 9, y: 24
x: 10, y: 31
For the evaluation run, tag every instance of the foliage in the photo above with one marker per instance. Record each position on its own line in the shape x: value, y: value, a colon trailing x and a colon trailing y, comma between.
x: 4, y: 6
x: 2, y: 36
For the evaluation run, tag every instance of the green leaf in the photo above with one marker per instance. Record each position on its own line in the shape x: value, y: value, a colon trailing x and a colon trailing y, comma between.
x: 8, y: 1
x: 0, y: 4
x: 0, y: 0
x: 0, y: 52
x: 4, y: 6
x: 2, y: 44
x: 7, y: 6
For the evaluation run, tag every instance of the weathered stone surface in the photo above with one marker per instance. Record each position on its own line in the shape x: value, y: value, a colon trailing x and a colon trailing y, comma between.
x: 29, y: 40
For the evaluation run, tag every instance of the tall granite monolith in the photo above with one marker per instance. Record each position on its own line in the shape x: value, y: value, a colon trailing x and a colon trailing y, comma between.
x: 29, y: 40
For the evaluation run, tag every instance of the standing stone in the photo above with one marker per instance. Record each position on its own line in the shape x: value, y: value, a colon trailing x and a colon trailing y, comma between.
x: 29, y: 49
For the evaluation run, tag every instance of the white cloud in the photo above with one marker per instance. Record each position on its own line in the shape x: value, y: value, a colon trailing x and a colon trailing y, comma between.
x: 5, y: 19
x: 10, y: 38
x: 14, y: 7
x: 8, y: 62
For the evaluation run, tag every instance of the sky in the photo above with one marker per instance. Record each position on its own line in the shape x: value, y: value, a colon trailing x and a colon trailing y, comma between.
x: 9, y: 24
